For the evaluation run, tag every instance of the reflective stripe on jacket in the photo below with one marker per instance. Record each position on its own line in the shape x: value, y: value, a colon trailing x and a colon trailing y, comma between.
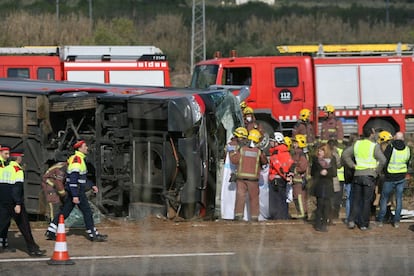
x: 249, y: 164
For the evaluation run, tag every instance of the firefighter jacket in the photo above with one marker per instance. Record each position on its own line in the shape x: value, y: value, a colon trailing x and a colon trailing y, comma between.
x: 301, y: 165
x: 53, y: 182
x: 398, y: 157
x: 249, y: 161
x: 304, y: 128
x: 16, y: 180
x: 332, y: 129
x: 76, y: 178
x: 369, y: 159
x: 281, y: 163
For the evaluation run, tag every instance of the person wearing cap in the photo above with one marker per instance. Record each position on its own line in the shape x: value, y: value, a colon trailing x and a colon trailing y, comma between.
x: 332, y: 127
x: 76, y: 186
x: 14, y: 175
x: 6, y: 201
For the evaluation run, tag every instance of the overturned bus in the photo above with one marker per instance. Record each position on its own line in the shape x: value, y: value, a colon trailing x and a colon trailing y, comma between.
x: 148, y: 146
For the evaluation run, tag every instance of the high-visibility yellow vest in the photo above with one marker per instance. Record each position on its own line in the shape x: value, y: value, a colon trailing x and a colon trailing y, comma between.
x: 364, y: 155
x: 340, y: 172
x: 398, y: 160
x: 16, y: 172
x: 2, y: 169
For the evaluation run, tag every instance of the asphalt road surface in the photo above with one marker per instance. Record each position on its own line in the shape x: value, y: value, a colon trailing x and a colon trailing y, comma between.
x: 156, y: 246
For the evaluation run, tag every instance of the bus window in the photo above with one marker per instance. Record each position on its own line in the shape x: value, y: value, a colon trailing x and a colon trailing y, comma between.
x: 45, y: 73
x: 18, y: 73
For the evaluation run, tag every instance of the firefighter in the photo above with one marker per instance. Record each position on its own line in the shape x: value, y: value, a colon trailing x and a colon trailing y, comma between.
x: 280, y: 175
x: 369, y: 161
x: 228, y: 188
x: 332, y: 127
x: 304, y: 126
x: 14, y: 175
x: 249, y: 160
x: 76, y: 185
x: 300, y: 175
x: 53, y: 186
x: 250, y: 120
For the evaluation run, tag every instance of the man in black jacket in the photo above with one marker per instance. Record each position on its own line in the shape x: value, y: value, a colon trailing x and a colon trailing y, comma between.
x: 398, y: 156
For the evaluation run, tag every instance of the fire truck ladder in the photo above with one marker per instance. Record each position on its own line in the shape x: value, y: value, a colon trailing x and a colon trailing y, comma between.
x: 107, y: 53
x: 348, y: 49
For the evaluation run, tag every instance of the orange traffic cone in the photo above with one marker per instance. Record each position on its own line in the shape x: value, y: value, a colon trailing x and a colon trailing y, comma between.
x: 60, y: 255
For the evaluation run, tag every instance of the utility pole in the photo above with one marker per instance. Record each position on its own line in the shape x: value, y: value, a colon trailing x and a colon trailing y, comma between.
x: 198, y: 33
x: 90, y: 16
x: 57, y: 14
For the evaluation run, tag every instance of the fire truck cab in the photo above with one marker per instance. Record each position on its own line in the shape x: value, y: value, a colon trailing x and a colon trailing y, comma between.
x: 367, y: 84
x: 131, y: 65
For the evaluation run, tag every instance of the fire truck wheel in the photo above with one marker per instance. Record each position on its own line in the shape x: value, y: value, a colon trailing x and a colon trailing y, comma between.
x: 379, y: 125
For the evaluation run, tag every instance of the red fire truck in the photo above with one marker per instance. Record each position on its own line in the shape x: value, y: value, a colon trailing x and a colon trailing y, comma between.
x: 367, y: 84
x: 131, y: 65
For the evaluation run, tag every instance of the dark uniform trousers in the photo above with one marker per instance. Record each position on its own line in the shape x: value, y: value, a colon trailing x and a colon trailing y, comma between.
x: 362, y: 192
x: 22, y: 222
x: 83, y: 205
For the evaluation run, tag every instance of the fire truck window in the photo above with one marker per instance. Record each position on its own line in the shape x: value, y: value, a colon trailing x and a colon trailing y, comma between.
x: 237, y: 76
x: 18, y: 73
x: 45, y: 74
x: 286, y: 77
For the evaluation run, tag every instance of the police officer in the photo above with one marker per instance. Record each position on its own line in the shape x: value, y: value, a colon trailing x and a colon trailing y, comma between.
x: 304, y: 126
x: 6, y: 201
x: 76, y: 185
x: 398, y: 156
x: 332, y: 127
x: 249, y: 160
x: 369, y: 161
x: 53, y: 186
x: 15, y: 178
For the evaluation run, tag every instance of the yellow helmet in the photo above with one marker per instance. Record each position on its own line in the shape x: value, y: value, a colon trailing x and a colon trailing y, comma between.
x: 248, y: 110
x: 288, y: 141
x: 254, y: 135
x: 304, y: 114
x: 241, y: 132
x: 329, y: 108
x: 243, y: 105
x: 301, y: 139
x: 384, y: 136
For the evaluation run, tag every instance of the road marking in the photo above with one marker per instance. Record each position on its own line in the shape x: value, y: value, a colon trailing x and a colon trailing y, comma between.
x: 124, y: 257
